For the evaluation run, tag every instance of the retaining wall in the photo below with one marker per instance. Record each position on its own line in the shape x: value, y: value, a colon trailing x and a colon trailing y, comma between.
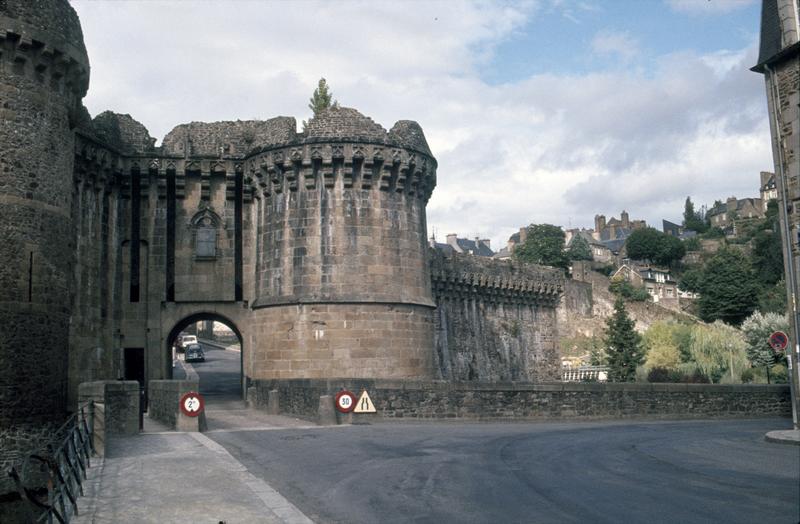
x: 164, y: 396
x: 120, y: 401
x: 520, y: 401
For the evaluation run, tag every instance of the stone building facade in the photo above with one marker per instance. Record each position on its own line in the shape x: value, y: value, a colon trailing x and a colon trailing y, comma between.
x: 779, y: 62
x: 310, y: 245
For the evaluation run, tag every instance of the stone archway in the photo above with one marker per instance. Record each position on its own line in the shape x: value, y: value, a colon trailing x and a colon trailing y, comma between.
x: 217, y: 372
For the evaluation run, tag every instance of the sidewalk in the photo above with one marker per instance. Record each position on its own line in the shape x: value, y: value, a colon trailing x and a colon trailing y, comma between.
x: 788, y: 436
x: 177, y: 477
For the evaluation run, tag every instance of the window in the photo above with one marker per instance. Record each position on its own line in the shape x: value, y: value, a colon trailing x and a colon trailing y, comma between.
x: 205, y: 225
x: 205, y: 240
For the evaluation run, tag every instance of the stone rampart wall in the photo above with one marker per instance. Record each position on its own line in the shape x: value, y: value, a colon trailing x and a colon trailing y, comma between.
x: 520, y: 401
x: 163, y: 397
x: 495, y: 320
x: 121, y: 402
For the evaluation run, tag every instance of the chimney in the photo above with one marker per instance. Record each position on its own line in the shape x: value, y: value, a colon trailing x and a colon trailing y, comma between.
x: 731, y: 204
x: 523, y: 235
x: 624, y: 219
x: 599, y: 223
x: 452, y: 241
x: 765, y: 176
x: 486, y: 242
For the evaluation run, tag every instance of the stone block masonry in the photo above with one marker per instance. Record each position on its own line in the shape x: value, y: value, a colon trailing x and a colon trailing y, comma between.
x: 421, y: 400
x: 44, y: 74
x: 311, y: 245
x: 494, y: 320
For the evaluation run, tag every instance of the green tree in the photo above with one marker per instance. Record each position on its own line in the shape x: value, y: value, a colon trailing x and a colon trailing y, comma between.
x: 757, y: 329
x: 691, y: 280
x: 728, y: 288
x: 767, y: 256
x: 682, y: 336
x: 661, y: 347
x: 543, y: 245
x: 671, y: 250
x: 579, y: 249
x: 692, y: 244
x: 692, y: 219
x: 623, y: 345
x: 321, y: 99
x: 654, y: 246
x: 772, y: 299
x: 718, y: 350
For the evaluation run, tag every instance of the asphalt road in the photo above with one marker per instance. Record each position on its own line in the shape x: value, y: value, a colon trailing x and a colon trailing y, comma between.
x: 220, y: 375
x: 650, y: 472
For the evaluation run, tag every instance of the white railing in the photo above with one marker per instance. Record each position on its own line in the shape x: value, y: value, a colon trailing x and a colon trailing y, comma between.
x: 585, y: 374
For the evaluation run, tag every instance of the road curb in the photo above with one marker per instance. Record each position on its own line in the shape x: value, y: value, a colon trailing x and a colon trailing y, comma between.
x: 787, y: 437
x: 274, y: 501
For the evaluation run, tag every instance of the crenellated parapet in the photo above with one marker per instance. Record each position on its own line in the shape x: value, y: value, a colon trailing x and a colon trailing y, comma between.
x: 493, y: 281
x: 96, y: 164
x: 45, y: 46
x: 366, y: 166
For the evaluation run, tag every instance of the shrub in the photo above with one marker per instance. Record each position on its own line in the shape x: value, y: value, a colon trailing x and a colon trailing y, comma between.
x: 606, y: 270
x: 659, y: 375
x: 625, y: 289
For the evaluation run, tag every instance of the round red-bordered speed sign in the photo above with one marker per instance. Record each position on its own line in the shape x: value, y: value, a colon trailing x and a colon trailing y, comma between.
x: 192, y: 404
x: 345, y: 401
x: 778, y: 341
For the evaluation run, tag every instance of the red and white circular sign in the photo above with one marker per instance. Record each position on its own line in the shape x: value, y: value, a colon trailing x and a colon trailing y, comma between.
x: 345, y: 401
x: 192, y: 404
x: 778, y: 341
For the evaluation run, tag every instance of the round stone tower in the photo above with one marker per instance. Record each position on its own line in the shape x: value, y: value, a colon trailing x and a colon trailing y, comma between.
x: 342, y: 280
x: 44, y: 74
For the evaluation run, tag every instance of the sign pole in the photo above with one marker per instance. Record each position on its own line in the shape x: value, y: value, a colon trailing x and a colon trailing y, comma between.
x: 779, y: 341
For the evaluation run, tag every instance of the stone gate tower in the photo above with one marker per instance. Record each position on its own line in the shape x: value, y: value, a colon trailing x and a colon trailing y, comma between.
x: 44, y: 74
x: 342, y: 279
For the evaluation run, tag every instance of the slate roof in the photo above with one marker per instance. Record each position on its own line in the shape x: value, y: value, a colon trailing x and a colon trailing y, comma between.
x: 671, y: 228
x: 740, y: 204
x: 770, y: 48
x: 444, y: 248
x: 619, y: 233
x: 470, y: 246
x: 503, y: 253
x: 587, y: 236
x: 614, y: 245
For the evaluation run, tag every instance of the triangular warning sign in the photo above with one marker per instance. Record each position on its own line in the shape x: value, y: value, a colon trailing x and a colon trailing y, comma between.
x: 364, y: 404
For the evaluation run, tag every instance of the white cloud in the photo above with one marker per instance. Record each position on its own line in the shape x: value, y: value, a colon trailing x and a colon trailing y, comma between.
x: 621, y: 44
x: 548, y: 148
x: 708, y: 6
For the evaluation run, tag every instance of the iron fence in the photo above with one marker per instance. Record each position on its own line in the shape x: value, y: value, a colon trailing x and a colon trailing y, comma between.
x: 60, y: 468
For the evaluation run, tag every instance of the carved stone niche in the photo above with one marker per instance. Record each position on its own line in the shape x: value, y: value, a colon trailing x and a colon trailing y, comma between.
x: 205, y: 226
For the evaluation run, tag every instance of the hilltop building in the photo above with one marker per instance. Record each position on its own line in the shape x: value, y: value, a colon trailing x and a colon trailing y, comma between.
x: 480, y: 247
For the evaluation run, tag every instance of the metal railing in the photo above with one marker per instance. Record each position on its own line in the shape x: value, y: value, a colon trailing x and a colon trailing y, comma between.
x: 585, y: 374
x: 61, y: 468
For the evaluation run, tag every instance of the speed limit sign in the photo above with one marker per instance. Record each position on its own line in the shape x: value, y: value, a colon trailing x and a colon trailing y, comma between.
x: 345, y: 401
x: 192, y: 404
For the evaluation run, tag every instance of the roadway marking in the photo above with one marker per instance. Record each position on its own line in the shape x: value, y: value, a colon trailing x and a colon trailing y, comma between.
x: 274, y: 501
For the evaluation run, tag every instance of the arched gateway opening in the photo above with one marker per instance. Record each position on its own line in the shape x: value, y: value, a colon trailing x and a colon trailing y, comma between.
x: 219, y: 363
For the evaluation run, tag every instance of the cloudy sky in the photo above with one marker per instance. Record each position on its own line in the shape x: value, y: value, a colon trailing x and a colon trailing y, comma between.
x: 549, y: 111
